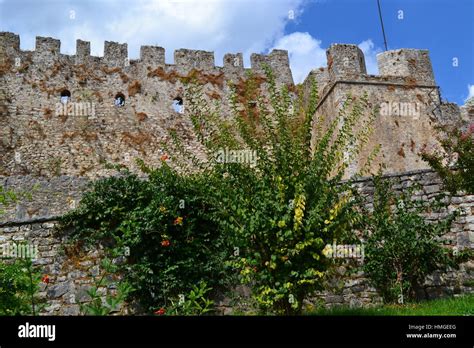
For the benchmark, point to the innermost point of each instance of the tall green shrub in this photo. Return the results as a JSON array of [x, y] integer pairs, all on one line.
[[401, 246], [285, 207]]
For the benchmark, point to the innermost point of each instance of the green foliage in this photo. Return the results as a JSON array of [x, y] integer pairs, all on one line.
[[162, 229], [458, 149], [19, 286], [7, 197], [401, 246], [112, 302], [196, 302], [19, 280], [287, 206]]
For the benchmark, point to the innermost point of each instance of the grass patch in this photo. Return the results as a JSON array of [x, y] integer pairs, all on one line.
[[463, 305]]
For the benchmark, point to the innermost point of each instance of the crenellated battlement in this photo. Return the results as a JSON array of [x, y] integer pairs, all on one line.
[[277, 60], [152, 55], [9, 46], [47, 50], [346, 62], [196, 59], [47, 45], [407, 63], [115, 54]]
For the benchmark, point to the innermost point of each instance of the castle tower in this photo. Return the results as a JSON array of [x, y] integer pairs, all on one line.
[[46, 51], [404, 95], [345, 62], [404, 62]]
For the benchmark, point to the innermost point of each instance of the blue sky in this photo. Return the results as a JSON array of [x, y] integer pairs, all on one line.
[[304, 27]]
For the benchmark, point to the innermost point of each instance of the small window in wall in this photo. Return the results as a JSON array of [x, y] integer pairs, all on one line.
[[65, 96], [119, 100], [178, 105]]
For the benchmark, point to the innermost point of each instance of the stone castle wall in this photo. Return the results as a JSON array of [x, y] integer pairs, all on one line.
[[37, 139]]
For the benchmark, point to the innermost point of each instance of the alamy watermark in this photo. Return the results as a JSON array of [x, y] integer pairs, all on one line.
[[344, 251], [411, 109], [18, 251], [76, 109], [236, 156]]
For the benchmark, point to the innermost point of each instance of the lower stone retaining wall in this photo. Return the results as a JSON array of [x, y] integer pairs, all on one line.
[[33, 221], [71, 273]]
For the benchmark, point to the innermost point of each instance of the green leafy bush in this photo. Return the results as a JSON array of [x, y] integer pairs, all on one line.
[[401, 246], [159, 228], [458, 149], [289, 203], [19, 286], [196, 302]]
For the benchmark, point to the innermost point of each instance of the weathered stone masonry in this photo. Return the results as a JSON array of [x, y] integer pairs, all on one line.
[[35, 140], [406, 94], [356, 290], [54, 156]]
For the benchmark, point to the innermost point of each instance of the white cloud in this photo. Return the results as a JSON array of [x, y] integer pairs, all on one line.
[[470, 89], [305, 53]]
